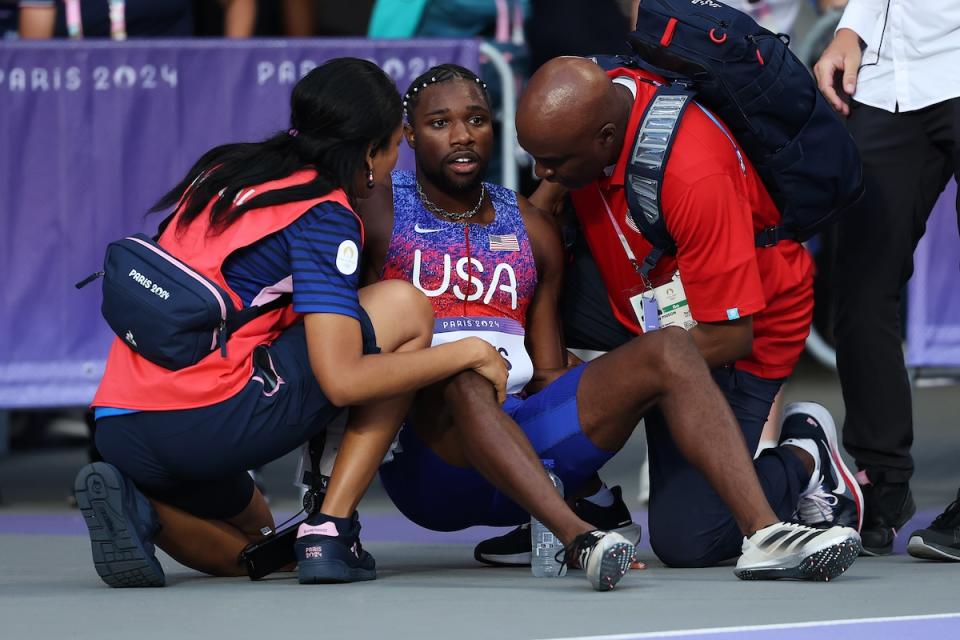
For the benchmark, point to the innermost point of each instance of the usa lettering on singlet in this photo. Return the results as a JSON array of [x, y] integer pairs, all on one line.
[[479, 278]]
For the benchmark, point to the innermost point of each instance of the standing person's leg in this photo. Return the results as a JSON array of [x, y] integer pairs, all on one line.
[[941, 540], [903, 175]]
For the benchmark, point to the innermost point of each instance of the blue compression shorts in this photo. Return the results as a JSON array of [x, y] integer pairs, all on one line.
[[442, 497]]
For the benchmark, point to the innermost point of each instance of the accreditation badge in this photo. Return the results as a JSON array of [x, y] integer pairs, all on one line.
[[662, 306]]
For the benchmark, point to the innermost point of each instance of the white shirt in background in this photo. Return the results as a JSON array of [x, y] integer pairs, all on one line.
[[912, 59]]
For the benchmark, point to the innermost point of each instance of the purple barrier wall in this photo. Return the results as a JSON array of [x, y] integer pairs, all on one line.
[[91, 134], [933, 319]]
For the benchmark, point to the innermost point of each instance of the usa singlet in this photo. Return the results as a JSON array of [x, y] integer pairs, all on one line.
[[480, 278]]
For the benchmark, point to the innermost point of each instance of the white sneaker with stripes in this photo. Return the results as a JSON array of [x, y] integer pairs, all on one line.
[[794, 551]]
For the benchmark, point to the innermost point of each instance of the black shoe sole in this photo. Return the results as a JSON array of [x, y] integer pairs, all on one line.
[[118, 554], [518, 559], [876, 552], [919, 548], [332, 572], [822, 566]]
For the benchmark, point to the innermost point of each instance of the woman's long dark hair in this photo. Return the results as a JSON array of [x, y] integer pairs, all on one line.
[[337, 111]]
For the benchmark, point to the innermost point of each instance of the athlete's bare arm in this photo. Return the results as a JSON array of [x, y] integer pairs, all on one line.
[[544, 342], [376, 211], [549, 197]]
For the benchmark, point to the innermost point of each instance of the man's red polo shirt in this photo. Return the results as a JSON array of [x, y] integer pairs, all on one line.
[[713, 210]]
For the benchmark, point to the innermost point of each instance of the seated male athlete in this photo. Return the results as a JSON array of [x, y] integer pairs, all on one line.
[[492, 266]]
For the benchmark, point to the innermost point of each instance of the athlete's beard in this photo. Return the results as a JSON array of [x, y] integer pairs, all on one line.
[[439, 178]]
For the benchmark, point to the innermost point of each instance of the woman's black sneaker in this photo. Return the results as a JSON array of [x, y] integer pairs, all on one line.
[[328, 550]]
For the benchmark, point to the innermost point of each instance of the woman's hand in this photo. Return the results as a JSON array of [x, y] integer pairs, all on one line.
[[490, 364]]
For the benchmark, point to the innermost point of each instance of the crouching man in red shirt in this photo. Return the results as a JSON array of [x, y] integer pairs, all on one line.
[[749, 307]]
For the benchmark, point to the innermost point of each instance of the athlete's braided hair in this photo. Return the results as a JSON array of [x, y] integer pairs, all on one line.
[[433, 75]]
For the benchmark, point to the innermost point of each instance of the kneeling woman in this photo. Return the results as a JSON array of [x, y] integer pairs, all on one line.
[[262, 219]]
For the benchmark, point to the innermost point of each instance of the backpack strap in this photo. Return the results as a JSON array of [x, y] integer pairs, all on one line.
[[237, 319], [245, 315], [769, 236], [643, 182]]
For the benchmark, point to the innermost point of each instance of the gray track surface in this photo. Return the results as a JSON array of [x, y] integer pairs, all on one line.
[[431, 589], [48, 589]]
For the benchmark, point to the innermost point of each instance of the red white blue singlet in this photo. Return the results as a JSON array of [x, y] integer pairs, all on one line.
[[480, 278]]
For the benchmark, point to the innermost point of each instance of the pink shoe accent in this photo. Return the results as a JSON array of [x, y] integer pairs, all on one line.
[[325, 529], [862, 478]]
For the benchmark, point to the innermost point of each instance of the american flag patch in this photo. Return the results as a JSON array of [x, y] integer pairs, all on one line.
[[507, 242]]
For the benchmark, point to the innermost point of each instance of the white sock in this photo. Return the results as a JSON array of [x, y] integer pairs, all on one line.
[[603, 497], [810, 447], [765, 444]]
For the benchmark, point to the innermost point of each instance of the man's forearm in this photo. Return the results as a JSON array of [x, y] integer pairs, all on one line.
[[723, 343]]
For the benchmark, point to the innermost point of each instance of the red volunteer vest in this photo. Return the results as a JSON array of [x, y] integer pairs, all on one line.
[[132, 382]]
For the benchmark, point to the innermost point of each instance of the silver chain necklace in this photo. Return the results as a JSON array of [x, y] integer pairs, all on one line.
[[450, 215]]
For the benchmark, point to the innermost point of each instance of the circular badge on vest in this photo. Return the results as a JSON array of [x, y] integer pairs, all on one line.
[[348, 257]]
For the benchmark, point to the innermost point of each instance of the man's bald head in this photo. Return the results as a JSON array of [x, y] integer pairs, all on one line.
[[563, 91], [571, 110]]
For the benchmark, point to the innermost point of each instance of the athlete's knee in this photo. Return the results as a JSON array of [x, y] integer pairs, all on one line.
[[676, 341], [669, 351], [468, 389]]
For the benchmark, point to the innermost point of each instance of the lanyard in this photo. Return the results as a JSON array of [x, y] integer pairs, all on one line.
[[118, 21], [623, 238]]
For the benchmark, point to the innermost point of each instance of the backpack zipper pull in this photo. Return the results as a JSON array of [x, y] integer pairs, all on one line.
[[90, 278], [222, 338]]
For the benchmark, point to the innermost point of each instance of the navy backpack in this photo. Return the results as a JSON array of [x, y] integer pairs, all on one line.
[[767, 98]]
